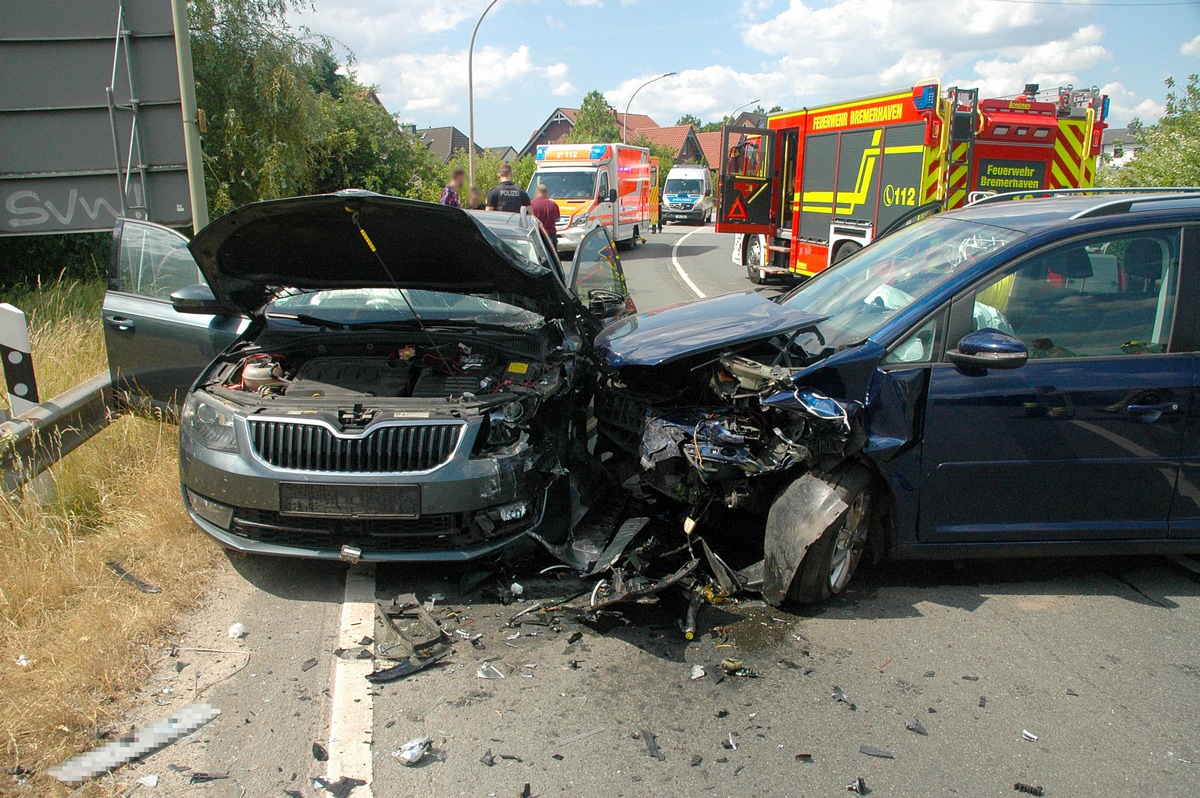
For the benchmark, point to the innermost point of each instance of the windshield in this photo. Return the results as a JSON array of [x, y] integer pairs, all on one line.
[[566, 183], [387, 305], [861, 293], [680, 186]]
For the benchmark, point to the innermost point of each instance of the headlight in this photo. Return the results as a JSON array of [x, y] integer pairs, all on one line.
[[209, 423], [580, 220]]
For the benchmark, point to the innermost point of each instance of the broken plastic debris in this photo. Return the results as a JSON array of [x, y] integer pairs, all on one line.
[[517, 589], [526, 791], [729, 744], [652, 746], [930, 674], [804, 757], [131, 578], [914, 725], [236, 631], [340, 788], [1028, 789], [1071, 692], [1028, 735], [970, 678], [859, 786], [488, 671], [840, 695], [697, 672], [142, 741], [23, 661], [574, 638], [308, 664], [871, 750], [406, 667], [735, 667], [412, 751], [488, 759], [319, 753], [149, 780], [983, 702], [200, 777]]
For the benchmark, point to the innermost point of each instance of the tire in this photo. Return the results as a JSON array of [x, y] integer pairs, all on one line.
[[845, 251], [752, 256], [830, 562]]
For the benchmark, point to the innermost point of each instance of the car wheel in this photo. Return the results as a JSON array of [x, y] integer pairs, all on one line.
[[831, 561], [845, 251], [752, 256]]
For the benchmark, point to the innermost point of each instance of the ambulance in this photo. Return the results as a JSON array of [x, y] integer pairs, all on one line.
[[609, 184], [818, 184]]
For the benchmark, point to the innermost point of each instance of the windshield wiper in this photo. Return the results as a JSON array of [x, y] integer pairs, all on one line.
[[436, 324], [304, 318]]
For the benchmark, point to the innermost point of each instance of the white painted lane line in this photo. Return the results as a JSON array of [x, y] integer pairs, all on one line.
[[695, 289], [351, 715]]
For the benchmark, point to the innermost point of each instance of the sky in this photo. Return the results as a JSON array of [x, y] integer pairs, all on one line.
[[532, 56]]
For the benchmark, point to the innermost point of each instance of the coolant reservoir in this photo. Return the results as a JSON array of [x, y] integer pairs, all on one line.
[[262, 372]]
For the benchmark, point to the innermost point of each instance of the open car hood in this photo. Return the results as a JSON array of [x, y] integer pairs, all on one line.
[[315, 243], [679, 331]]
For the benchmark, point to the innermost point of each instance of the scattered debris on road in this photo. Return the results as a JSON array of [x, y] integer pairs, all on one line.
[[319, 753], [859, 786], [413, 751], [1028, 789], [488, 759], [582, 736], [488, 671], [915, 725], [1028, 735], [237, 631], [340, 788], [881, 753], [652, 748], [840, 695], [406, 667]]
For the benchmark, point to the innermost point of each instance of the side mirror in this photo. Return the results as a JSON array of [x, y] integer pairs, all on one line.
[[612, 195], [605, 303], [989, 349], [708, 192], [196, 299]]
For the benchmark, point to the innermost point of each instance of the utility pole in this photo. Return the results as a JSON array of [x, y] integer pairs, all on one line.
[[471, 99], [191, 116], [625, 119]]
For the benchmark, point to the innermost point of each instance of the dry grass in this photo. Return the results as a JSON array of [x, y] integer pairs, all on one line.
[[88, 636]]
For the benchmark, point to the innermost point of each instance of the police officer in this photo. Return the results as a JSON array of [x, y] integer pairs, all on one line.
[[507, 195]]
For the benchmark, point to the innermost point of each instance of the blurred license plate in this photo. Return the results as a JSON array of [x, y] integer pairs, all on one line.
[[348, 501]]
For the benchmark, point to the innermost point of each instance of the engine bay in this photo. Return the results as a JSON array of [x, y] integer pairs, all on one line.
[[451, 371]]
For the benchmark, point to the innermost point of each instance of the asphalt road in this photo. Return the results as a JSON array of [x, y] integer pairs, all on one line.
[[1097, 658]]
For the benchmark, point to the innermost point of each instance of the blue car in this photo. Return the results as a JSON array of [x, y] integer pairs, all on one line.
[[1015, 378]]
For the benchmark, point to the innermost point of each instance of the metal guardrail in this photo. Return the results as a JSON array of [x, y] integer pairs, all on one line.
[[39, 438]]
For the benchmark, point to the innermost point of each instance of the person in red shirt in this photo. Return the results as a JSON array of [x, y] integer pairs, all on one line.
[[546, 211]]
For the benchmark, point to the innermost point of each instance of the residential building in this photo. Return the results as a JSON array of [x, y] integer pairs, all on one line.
[[562, 121], [443, 142], [681, 138], [1119, 146]]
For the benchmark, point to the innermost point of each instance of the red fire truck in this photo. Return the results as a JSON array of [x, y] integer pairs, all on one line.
[[818, 184]]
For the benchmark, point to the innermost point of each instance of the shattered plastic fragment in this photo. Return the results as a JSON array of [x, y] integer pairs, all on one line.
[[871, 750], [200, 777], [696, 760], [406, 667], [526, 792], [319, 753], [983, 702], [488, 759], [728, 744], [804, 757], [149, 780], [517, 589], [488, 671], [652, 746], [930, 674], [23, 661], [915, 725], [697, 672], [412, 751], [574, 638], [582, 736], [308, 664], [340, 788], [1071, 692], [840, 695], [1028, 789], [131, 578], [1028, 735], [859, 786], [970, 678], [236, 631]]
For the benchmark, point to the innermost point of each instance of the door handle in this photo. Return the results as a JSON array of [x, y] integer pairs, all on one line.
[[1152, 412], [120, 322]]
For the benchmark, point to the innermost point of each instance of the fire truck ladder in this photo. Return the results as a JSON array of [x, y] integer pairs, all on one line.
[[964, 113]]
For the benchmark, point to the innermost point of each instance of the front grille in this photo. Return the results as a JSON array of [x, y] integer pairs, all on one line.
[[427, 533], [391, 449]]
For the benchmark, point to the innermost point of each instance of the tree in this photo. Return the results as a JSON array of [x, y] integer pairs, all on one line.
[[1170, 153], [666, 156], [596, 121], [487, 164], [690, 119]]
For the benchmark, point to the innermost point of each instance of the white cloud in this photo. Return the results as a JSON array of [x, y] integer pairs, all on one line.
[[436, 83], [1191, 47], [1053, 63], [1124, 105], [373, 28]]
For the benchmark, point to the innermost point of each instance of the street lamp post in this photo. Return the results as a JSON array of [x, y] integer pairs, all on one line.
[[625, 119], [471, 99], [733, 114]]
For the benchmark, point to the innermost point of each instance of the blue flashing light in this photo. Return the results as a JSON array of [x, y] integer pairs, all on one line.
[[926, 99], [1105, 111], [598, 151], [541, 153]]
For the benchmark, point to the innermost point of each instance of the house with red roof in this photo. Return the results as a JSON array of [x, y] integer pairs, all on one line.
[[680, 138], [562, 121]]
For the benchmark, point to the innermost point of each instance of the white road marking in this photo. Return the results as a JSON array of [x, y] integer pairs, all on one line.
[[351, 715], [695, 289]]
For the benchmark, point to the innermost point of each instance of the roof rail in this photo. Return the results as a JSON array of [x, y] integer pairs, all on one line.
[[1009, 196]]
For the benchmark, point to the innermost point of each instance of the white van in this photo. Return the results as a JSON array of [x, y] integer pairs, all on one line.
[[687, 195]]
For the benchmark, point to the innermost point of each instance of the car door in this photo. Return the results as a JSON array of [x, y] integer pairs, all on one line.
[[1083, 441], [153, 350], [597, 279]]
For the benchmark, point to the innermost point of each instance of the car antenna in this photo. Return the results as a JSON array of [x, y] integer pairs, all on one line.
[[395, 284]]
